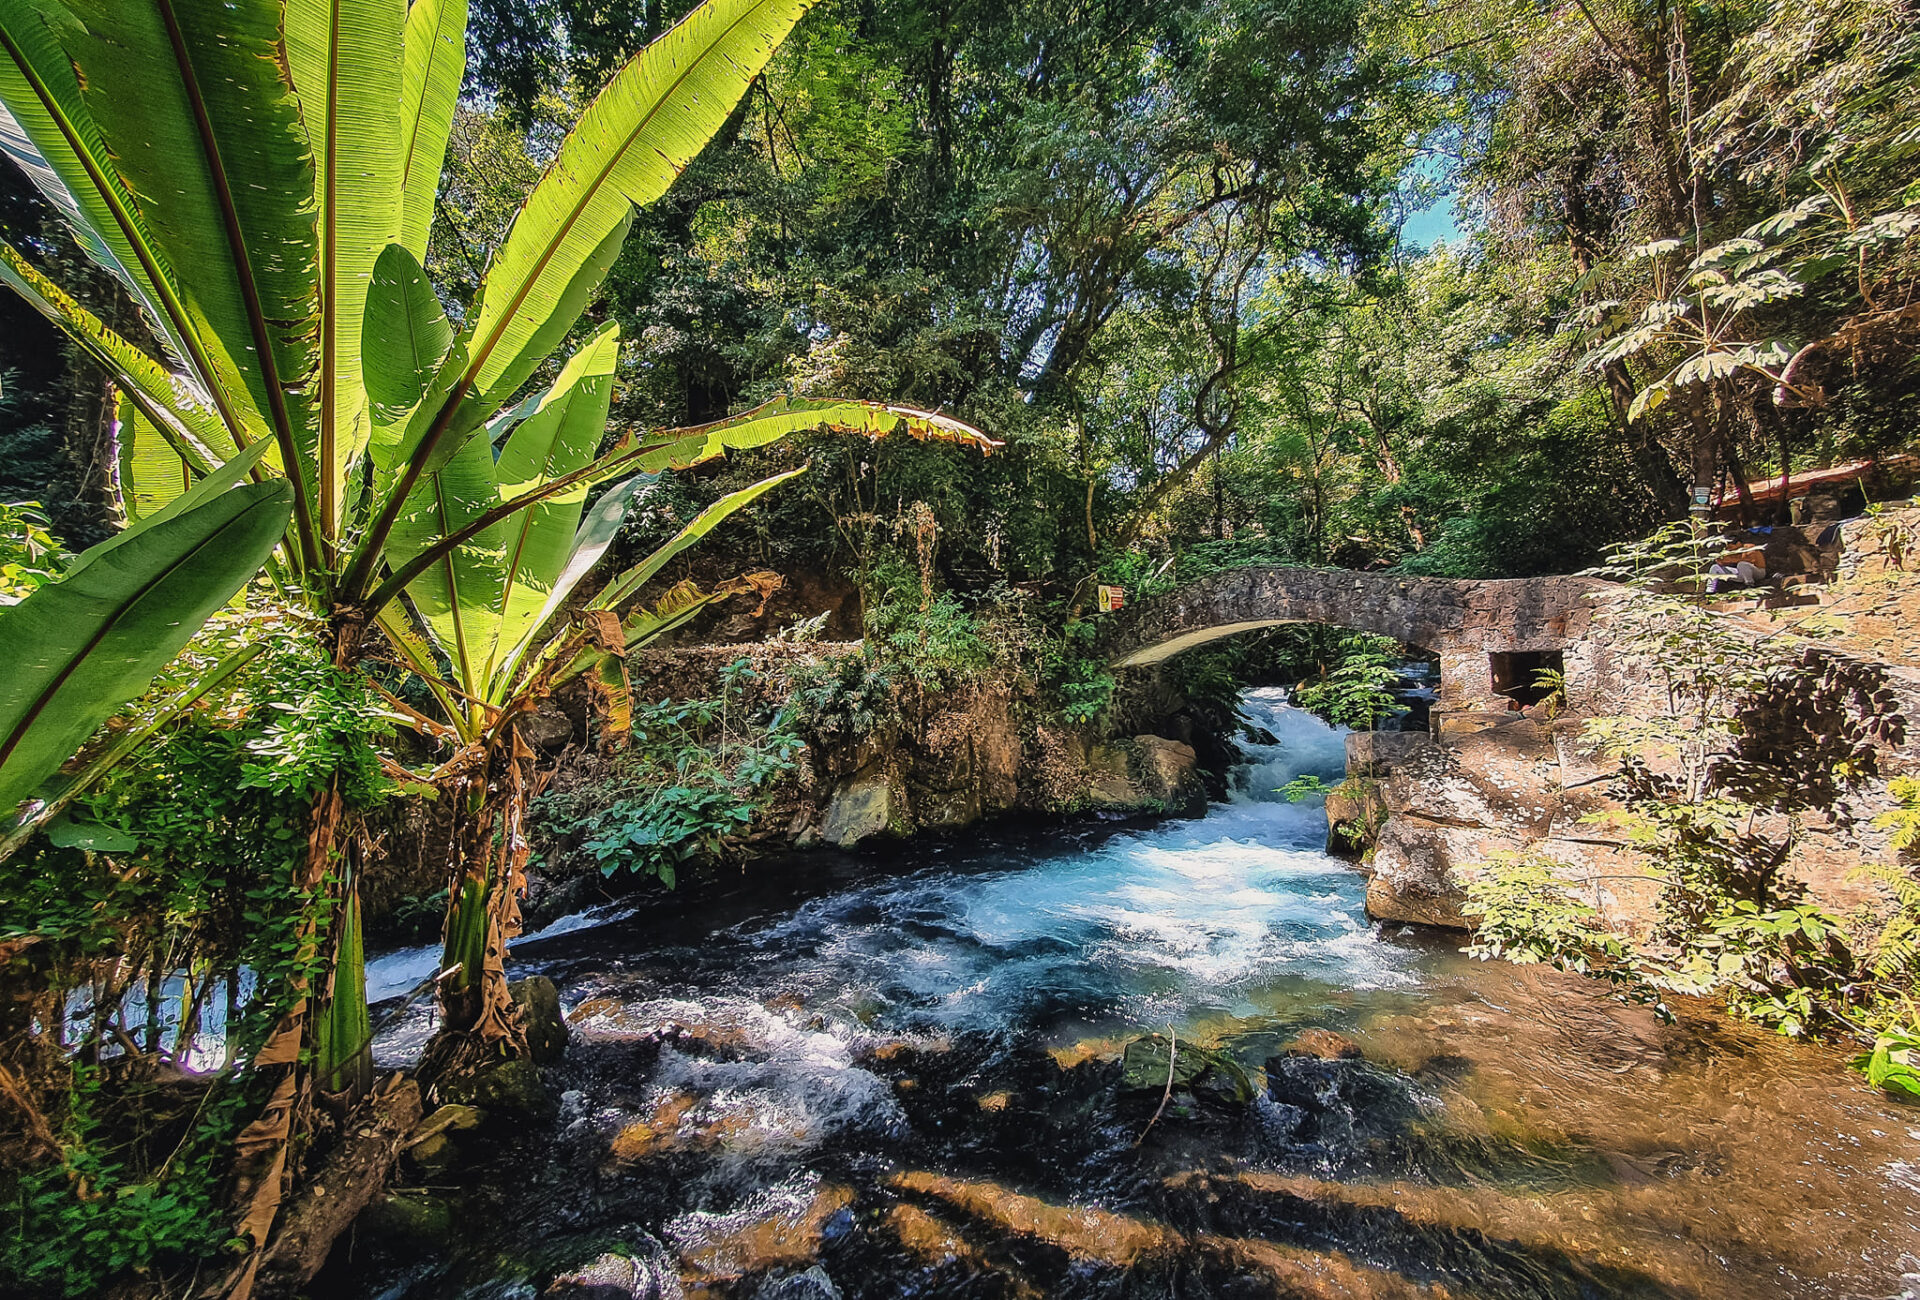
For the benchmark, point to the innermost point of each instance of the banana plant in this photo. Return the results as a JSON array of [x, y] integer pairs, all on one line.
[[260, 177]]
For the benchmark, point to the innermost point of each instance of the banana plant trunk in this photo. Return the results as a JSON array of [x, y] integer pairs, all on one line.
[[488, 791]]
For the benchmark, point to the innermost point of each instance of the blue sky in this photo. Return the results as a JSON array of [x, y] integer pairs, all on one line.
[[1433, 223]]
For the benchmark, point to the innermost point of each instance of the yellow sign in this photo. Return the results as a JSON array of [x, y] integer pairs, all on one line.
[[1110, 599]]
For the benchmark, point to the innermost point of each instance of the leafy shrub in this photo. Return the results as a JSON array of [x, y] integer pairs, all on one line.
[[685, 786], [1078, 680], [842, 699], [1524, 913], [909, 623], [30, 556], [1355, 691]]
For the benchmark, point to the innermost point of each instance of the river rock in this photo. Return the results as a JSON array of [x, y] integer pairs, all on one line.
[[1324, 1044], [1144, 1067], [412, 1219], [434, 1150], [644, 1276], [811, 1284], [1338, 1105], [502, 1089], [1146, 774], [864, 806], [1418, 870], [546, 1024], [1169, 771]]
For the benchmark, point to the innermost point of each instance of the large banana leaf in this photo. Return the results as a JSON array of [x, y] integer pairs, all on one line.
[[499, 576], [652, 118], [79, 648], [56, 802], [555, 440], [45, 128], [345, 57], [152, 473], [595, 535], [223, 479], [771, 421], [592, 541], [435, 60], [451, 412], [343, 1032], [203, 128], [455, 596], [406, 337]]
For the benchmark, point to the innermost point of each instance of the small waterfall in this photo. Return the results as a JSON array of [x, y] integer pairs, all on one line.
[[1302, 745]]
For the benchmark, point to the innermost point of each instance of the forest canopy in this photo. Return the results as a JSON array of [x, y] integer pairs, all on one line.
[[1162, 252]]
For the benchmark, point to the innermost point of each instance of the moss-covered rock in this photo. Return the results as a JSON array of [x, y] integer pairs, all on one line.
[[504, 1089]]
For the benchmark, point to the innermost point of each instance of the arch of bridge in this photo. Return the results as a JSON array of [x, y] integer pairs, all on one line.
[[1463, 621]]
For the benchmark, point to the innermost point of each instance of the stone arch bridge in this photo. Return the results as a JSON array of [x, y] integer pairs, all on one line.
[[1490, 636]]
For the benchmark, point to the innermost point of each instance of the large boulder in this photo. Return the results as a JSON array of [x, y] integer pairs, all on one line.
[[1421, 869], [1521, 786], [865, 805], [1170, 773], [1146, 774], [1416, 867], [1504, 779]]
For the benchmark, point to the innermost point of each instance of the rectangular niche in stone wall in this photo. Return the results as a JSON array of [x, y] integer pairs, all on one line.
[[1515, 673]]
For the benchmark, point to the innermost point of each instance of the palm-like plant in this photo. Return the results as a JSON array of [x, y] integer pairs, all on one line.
[[260, 177]]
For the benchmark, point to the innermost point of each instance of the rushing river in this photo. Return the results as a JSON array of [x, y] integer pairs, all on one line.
[[948, 1074]]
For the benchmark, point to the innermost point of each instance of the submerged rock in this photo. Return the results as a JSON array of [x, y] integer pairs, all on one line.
[[434, 1149], [1088, 1233], [781, 1227], [1203, 1072], [409, 1219], [1324, 1044], [546, 1024], [644, 1275], [1339, 1104], [812, 1284]]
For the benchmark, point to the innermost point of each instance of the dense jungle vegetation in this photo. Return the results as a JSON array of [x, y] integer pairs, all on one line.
[[1472, 288]]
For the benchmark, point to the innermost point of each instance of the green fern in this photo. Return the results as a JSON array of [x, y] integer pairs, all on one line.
[[1904, 820], [1896, 949]]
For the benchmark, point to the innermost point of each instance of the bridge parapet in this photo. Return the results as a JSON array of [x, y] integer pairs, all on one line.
[[1489, 635]]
